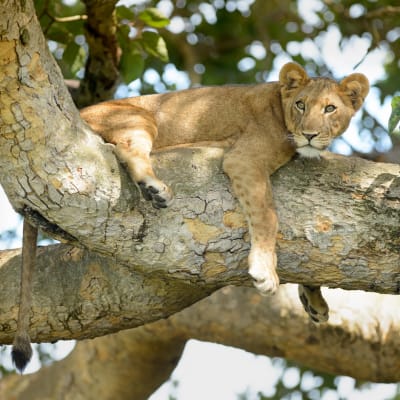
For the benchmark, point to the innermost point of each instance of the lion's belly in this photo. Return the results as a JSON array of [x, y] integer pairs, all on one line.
[[187, 130]]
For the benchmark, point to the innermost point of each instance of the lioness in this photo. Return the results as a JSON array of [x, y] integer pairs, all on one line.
[[261, 127]]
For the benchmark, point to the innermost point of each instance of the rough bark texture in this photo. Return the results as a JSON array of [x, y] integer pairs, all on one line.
[[78, 294], [360, 340], [346, 236]]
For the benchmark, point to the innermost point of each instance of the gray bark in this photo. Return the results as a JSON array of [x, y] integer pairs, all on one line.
[[339, 217], [337, 230]]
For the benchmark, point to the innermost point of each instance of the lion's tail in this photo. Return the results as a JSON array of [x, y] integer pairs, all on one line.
[[22, 351]]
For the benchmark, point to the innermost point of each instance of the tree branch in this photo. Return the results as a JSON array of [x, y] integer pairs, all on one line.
[[382, 12], [359, 341], [101, 70], [338, 227], [78, 295]]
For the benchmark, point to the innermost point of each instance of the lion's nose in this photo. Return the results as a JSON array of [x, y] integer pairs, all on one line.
[[310, 136]]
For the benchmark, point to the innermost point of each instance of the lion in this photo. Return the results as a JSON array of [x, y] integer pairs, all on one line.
[[260, 126]]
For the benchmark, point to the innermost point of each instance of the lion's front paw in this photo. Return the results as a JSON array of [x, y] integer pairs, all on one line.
[[314, 303], [157, 192], [262, 268]]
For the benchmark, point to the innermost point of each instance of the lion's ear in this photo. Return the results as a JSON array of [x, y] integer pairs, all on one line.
[[355, 87], [292, 76]]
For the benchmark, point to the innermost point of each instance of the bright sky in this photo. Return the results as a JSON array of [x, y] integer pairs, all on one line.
[[9, 221], [212, 372]]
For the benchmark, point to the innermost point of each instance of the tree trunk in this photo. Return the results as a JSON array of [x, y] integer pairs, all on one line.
[[101, 69]]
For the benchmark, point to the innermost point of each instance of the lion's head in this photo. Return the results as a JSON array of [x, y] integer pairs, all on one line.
[[318, 109]]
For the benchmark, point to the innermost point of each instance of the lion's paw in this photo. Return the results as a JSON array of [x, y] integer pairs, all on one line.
[[157, 192], [314, 304], [262, 268]]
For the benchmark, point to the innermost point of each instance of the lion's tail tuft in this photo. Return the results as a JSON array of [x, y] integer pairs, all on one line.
[[21, 351]]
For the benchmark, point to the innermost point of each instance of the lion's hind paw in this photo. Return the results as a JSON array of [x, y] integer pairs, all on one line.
[[157, 192], [314, 304]]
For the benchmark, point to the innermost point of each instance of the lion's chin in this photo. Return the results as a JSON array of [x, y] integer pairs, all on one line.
[[309, 152]]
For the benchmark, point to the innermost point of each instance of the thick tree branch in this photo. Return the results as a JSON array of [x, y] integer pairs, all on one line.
[[361, 340], [339, 228], [338, 224], [78, 294]]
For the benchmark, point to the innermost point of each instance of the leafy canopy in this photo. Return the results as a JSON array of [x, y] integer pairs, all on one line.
[[232, 41]]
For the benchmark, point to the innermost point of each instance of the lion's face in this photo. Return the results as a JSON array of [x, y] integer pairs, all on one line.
[[318, 109]]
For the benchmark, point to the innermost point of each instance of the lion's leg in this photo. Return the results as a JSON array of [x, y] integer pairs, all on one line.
[[253, 190], [133, 148], [314, 303], [132, 130]]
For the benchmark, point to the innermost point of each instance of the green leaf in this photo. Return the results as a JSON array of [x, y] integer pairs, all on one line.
[[70, 53], [131, 64], [123, 35], [39, 6], [125, 13], [155, 45], [395, 115], [73, 59], [59, 34], [154, 17], [79, 61]]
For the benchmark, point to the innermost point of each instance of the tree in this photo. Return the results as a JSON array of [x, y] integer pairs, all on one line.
[[125, 265]]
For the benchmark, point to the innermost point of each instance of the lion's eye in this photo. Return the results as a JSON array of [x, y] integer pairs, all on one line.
[[300, 105], [330, 108]]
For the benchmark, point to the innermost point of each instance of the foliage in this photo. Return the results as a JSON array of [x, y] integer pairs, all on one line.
[[7, 237], [395, 116], [136, 41], [63, 25], [3, 370], [230, 41]]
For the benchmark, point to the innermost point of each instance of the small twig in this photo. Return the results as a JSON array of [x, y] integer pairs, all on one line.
[[72, 18], [387, 11]]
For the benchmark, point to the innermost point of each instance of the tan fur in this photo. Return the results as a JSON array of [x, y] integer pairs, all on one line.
[[261, 126]]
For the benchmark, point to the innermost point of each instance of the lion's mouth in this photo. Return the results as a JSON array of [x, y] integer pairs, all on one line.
[[309, 151], [306, 149]]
